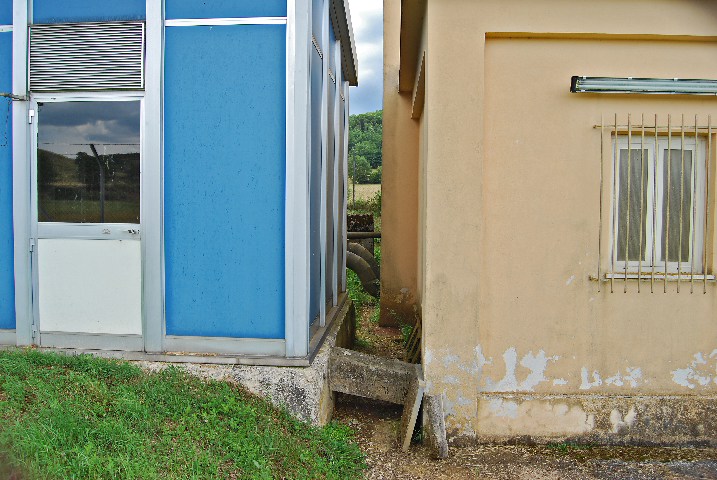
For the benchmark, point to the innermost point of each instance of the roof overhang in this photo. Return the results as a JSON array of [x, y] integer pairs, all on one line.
[[341, 20], [413, 13]]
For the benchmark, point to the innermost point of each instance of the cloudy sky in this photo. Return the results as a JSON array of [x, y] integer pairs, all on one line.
[[367, 18]]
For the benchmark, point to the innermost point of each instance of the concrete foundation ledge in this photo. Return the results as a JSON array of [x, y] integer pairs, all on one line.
[[303, 391], [595, 419]]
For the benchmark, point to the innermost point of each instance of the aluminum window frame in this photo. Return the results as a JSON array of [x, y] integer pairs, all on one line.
[[655, 179], [90, 230], [83, 231]]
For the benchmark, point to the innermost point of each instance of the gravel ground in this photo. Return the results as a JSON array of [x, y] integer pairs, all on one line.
[[377, 425]]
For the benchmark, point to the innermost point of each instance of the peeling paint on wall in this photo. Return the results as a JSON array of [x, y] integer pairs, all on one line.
[[699, 372], [631, 376], [509, 416], [618, 423], [586, 383], [536, 363]]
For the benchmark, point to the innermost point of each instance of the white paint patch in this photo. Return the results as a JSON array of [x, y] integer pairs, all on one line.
[[428, 357], [618, 423], [559, 382], [503, 408], [451, 380], [450, 359], [698, 372], [586, 383], [570, 280], [632, 376], [509, 417], [535, 363]]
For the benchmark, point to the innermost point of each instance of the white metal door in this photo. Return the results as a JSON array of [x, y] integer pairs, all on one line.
[[87, 266]]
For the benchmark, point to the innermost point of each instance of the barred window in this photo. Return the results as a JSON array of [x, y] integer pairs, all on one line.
[[656, 185], [661, 204]]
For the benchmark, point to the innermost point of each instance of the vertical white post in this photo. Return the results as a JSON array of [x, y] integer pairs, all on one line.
[[298, 151], [324, 43], [337, 151], [345, 200], [21, 176], [152, 218]]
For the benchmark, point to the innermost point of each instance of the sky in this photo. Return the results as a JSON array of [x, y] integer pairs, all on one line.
[[367, 19]]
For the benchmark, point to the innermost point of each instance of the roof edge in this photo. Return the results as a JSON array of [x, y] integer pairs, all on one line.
[[413, 13], [341, 19]]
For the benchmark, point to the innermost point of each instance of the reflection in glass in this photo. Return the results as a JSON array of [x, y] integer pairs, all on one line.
[[88, 162]]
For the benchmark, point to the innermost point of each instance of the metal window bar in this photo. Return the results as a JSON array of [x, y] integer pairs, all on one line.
[[708, 160], [664, 262]]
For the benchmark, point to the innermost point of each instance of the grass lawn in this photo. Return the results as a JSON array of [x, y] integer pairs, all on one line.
[[80, 417]]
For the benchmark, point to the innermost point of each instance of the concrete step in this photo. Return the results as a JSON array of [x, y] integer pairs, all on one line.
[[394, 381]]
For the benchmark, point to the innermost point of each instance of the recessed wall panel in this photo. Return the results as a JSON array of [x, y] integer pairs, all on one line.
[[7, 275], [68, 11], [330, 196], [177, 9], [315, 187], [225, 163]]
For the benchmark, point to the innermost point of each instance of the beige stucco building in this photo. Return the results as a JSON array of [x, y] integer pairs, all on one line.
[[505, 214]]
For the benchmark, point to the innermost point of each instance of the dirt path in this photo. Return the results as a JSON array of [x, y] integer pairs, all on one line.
[[377, 425]]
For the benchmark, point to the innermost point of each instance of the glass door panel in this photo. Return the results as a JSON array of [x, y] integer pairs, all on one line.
[[87, 207]]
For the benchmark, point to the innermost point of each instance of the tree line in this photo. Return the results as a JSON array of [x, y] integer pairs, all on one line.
[[365, 147]]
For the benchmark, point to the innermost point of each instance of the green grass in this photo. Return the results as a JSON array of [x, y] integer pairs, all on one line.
[[80, 417], [567, 447]]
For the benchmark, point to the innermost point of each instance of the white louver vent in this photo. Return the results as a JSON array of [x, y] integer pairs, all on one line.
[[87, 56]]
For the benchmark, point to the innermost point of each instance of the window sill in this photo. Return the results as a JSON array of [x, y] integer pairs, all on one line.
[[685, 277]]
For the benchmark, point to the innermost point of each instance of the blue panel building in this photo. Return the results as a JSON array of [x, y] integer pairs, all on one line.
[[177, 170]]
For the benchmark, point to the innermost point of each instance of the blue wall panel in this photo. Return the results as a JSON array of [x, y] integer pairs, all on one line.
[[329, 271], [58, 11], [7, 274], [5, 12], [317, 15], [315, 187], [225, 8], [225, 163]]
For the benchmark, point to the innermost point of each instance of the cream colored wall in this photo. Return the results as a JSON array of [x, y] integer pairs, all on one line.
[[399, 243], [541, 204], [510, 224]]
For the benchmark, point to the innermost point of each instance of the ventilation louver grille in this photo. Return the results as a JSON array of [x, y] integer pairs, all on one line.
[[87, 56]]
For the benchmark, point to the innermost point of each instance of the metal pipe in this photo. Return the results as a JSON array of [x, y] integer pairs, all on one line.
[[602, 179], [628, 206], [642, 201], [363, 235], [693, 221], [654, 209], [614, 206], [102, 183], [669, 185], [682, 202], [708, 160]]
